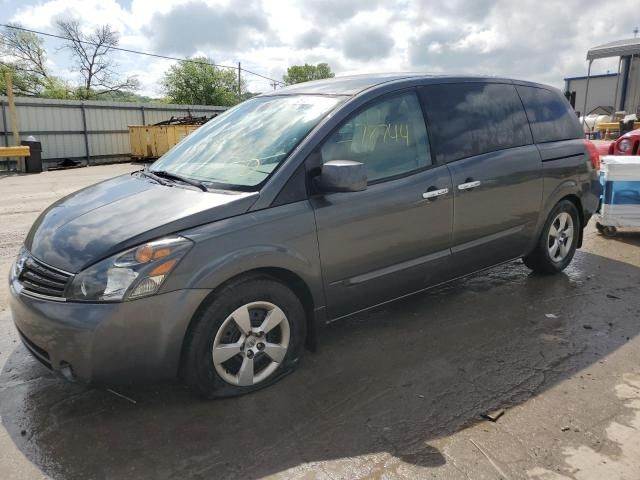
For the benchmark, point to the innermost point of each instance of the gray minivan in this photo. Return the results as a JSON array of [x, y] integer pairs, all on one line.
[[293, 209]]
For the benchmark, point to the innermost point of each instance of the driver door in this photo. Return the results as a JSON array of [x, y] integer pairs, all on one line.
[[392, 238]]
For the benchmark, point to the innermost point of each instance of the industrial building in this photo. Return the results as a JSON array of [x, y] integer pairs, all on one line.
[[612, 91]]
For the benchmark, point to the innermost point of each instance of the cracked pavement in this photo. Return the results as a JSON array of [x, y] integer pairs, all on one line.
[[397, 392]]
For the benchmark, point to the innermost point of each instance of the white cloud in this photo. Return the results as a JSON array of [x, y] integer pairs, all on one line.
[[89, 12], [530, 39]]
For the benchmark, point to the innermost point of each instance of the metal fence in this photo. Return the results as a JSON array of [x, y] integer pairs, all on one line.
[[89, 132]]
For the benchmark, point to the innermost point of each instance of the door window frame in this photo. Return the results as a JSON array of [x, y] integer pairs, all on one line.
[[422, 95]]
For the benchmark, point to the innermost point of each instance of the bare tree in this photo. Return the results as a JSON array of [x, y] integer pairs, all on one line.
[[93, 55]]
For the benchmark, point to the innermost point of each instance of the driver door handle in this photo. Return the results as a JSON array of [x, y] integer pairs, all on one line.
[[435, 193], [469, 185]]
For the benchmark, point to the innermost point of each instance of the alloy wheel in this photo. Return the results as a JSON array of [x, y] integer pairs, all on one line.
[[560, 238], [251, 343]]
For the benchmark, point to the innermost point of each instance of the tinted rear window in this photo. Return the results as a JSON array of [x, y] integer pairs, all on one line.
[[550, 115], [469, 119]]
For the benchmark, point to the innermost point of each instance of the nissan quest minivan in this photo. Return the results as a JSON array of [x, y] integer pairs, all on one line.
[[222, 261]]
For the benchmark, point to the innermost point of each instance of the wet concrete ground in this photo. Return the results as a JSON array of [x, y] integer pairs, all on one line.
[[394, 393]]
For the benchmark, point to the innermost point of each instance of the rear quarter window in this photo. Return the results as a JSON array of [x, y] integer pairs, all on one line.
[[551, 117], [470, 119]]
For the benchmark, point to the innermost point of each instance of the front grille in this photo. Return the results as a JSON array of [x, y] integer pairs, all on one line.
[[40, 279]]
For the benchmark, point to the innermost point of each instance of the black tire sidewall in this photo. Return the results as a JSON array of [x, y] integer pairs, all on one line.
[[199, 371]]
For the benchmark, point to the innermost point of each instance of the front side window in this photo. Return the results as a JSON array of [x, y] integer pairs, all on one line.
[[241, 147], [389, 137]]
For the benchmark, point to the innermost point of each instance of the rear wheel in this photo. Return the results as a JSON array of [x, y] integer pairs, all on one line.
[[558, 241], [248, 337]]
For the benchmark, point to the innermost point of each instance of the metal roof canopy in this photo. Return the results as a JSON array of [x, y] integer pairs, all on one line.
[[619, 48]]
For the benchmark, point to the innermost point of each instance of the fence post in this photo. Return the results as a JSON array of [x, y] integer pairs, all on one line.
[[4, 124], [86, 134], [144, 120], [6, 161], [13, 116]]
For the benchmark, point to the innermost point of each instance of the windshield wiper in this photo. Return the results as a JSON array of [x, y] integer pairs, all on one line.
[[173, 176], [147, 173]]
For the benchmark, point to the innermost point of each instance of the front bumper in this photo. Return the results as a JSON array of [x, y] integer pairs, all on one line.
[[106, 343]]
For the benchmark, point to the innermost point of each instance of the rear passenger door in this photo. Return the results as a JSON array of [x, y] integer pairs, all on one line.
[[480, 131]]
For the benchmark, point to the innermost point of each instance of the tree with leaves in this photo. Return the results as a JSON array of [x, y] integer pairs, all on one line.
[[198, 82], [23, 55], [306, 73], [93, 53]]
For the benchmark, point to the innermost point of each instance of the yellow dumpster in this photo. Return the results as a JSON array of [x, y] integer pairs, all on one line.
[[611, 130], [152, 141]]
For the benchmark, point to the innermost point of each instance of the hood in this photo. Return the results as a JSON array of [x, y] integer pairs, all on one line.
[[106, 218]]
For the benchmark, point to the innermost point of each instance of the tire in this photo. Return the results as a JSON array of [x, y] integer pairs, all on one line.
[[557, 243], [232, 323]]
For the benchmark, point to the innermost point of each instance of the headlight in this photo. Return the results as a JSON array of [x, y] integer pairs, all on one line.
[[19, 263], [624, 145], [134, 273]]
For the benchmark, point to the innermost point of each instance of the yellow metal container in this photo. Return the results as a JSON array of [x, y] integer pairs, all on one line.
[[153, 141], [611, 130]]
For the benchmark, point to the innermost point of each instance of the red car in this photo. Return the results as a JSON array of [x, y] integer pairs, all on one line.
[[627, 144]]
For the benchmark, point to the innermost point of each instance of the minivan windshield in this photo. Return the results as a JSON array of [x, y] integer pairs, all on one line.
[[241, 147]]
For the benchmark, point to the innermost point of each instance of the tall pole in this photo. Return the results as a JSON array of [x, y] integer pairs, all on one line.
[[239, 90], [615, 95], [13, 116], [586, 95]]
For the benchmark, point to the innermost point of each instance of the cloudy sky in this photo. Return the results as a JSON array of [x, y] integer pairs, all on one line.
[[541, 40]]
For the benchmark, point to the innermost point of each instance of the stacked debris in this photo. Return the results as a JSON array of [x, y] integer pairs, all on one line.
[[187, 120]]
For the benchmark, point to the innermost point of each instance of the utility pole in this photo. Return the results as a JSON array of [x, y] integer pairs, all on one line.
[[239, 89], [635, 32], [274, 84], [13, 117]]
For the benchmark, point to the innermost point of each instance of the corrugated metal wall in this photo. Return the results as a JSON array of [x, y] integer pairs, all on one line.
[[91, 131]]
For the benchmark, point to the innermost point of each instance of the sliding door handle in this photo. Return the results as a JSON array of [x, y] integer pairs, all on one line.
[[435, 193], [469, 185]]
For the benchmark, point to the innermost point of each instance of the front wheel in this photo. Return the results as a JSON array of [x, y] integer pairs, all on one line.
[[249, 336], [558, 241]]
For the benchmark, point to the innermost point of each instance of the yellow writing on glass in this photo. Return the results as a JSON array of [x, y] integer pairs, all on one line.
[[390, 132]]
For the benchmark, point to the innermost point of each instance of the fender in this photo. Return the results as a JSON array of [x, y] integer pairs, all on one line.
[[287, 265], [227, 248], [567, 188], [223, 268]]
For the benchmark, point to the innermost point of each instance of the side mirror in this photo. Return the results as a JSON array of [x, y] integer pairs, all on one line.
[[342, 176]]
